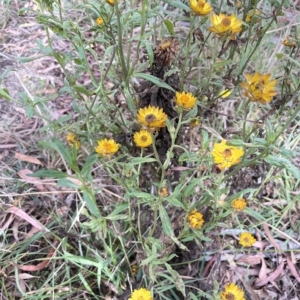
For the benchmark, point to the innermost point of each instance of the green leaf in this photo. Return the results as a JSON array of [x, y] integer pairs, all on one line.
[[284, 163], [29, 59], [141, 160], [67, 183], [48, 174], [86, 169], [166, 223], [149, 52], [60, 148], [91, 203], [177, 279], [169, 26], [82, 90], [5, 94], [155, 80], [177, 4], [175, 202]]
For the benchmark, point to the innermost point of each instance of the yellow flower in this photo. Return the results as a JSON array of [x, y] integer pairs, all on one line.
[[246, 239], [226, 156], [142, 138], [71, 139], [111, 2], [259, 88], [100, 21], [195, 219], [224, 25], [152, 117], [141, 294], [185, 100], [288, 43], [239, 203], [253, 13], [107, 147], [232, 292], [201, 7]]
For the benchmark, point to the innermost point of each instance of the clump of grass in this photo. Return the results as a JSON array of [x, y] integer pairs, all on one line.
[[178, 121]]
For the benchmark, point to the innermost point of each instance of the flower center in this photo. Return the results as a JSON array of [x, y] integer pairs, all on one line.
[[227, 153], [185, 99], [150, 118], [226, 22], [230, 296], [144, 138]]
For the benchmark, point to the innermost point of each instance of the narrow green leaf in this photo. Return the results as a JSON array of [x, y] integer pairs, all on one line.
[[177, 4], [166, 223], [169, 26], [87, 167], [82, 90], [67, 183], [91, 203], [5, 94], [48, 174], [60, 148], [155, 80]]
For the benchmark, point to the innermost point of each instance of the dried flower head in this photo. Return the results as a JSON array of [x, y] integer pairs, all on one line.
[[288, 43], [259, 88], [195, 122], [246, 239], [152, 117], [71, 139], [163, 192], [134, 269], [185, 100], [201, 7], [232, 292], [100, 21], [107, 147], [224, 25], [195, 219], [226, 156], [142, 138], [141, 294], [165, 52], [253, 16], [239, 203]]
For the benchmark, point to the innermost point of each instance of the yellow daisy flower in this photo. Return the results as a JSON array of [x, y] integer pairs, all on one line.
[[253, 13], [239, 203], [152, 117], [111, 2], [246, 239], [185, 100], [224, 25], [107, 147], [141, 294], [195, 219], [71, 139], [259, 88], [201, 7], [226, 156], [100, 21], [232, 292], [142, 138]]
